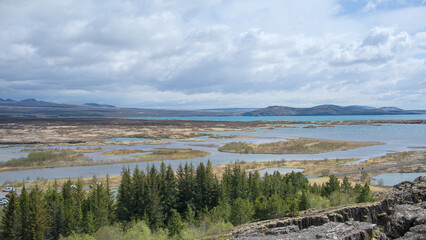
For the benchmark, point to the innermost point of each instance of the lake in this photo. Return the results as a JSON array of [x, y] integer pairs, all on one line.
[[397, 138], [391, 179], [281, 170]]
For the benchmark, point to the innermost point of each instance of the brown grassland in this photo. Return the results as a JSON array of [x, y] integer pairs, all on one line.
[[294, 146]]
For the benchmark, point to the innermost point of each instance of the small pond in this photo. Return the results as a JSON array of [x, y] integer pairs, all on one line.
[[281, 170], [390, 179]]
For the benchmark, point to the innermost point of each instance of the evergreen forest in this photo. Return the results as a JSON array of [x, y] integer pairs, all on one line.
[[190, 203]]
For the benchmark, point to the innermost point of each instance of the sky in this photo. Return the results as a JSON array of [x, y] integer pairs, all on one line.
[[188, 54]]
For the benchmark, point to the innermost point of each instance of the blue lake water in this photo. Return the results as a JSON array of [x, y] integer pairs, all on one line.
[[390, 179], [397, 137], [281, 170]]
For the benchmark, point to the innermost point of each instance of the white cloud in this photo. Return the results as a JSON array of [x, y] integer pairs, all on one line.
[[380, 46], [211, 53]]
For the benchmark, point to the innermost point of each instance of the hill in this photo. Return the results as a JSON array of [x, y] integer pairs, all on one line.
[[39, 109], [32, 108], [327, 110]]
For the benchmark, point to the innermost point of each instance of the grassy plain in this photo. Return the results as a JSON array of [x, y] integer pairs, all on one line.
[[294, 146]]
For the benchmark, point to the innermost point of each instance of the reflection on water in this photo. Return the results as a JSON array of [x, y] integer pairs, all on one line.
[[390, 179], [398, 137]]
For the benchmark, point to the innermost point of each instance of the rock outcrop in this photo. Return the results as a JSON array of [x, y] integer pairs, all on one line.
[[400, 214]]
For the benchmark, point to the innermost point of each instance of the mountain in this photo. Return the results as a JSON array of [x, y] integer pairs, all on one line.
[[98, 105], [235, 110], [360, 107], [327, 110], [40, 109]]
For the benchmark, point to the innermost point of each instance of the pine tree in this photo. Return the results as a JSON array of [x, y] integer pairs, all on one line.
[[239, 183], [241, 212], [332, 185], [124, 198], [54, 209], [111, 215], [212, 184], [261, 208], [294, 206], [346, 185], [221, 212], [254, 186], [78, 199], [155, 210], [304, 202], [185, 185], [38, 224], [276, 206], [365, 194], [266, 185], [169, 193], [70, 222], [176, 225], [97, 203], [189, 215], [10, 220], [24, 214], [226, 186], [139, 193], [89, 223]]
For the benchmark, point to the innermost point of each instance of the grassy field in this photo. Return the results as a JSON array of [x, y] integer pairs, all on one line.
[[171, 154], [43, 158], [294, 146], [121, 152], [50, 159]]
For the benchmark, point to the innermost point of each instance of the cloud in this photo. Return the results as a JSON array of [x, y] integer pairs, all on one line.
[[212, 53], [380, 46]]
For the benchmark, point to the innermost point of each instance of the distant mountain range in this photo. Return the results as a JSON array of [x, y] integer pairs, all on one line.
[[329, 110], [32, 108]]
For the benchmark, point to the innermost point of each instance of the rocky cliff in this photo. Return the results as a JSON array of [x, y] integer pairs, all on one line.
[[400, 214]]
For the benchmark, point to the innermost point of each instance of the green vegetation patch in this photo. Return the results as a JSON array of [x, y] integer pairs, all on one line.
[[171, 154], [42, 158], [121, 152], [295, 146]]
